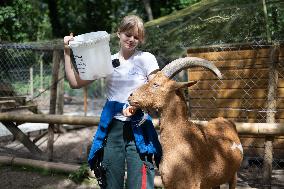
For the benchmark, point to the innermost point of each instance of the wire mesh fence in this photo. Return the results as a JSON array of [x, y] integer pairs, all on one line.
[[241, 95], [251, 90], [252, 82], [26, 72]]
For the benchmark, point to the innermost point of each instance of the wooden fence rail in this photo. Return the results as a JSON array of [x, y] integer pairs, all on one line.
[[275, 129]]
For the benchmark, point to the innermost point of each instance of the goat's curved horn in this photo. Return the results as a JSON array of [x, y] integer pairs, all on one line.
[[174, 67]]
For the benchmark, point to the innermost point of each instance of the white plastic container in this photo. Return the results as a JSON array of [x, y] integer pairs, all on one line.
[[92, 55]]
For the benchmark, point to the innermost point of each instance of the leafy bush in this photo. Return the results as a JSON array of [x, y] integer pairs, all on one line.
[[79, 175]]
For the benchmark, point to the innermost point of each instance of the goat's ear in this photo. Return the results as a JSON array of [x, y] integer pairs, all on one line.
[[180, 85]]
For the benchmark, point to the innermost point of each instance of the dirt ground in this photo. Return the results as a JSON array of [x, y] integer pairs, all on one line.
[[70, 147], [19, 178]]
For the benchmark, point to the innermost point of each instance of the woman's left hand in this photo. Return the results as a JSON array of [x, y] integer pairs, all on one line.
[[129, 111]]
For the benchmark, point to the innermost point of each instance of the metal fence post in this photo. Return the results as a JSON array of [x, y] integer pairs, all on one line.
[[31, 82]]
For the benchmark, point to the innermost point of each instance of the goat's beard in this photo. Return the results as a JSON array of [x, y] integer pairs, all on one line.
[[154, 113]]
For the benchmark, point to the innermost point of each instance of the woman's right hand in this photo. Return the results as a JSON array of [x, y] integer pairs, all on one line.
[[67, 39], [129, 111]]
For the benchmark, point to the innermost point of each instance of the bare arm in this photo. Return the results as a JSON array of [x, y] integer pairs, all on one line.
[[72, 76]]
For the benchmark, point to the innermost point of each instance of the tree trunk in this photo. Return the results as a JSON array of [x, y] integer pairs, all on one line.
[[148, 9], [53, 16], [270, 118]]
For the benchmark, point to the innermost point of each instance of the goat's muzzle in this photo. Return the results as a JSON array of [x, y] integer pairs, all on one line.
[[132, 102]]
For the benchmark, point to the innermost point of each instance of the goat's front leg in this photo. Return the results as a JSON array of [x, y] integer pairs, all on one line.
[[233, 182], [216, 187]]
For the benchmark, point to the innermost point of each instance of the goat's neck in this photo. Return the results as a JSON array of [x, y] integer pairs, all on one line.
[[174, 113]]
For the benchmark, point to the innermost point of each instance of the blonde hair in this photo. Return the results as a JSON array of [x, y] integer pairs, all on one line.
[[129, 23]]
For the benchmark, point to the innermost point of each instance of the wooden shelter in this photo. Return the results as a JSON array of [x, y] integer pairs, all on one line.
[[243, 93], [251, 91]]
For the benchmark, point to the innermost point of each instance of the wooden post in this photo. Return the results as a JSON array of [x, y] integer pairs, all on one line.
[[270, 116], [60, 95], [52, 104], [85, 100], [20, 136]]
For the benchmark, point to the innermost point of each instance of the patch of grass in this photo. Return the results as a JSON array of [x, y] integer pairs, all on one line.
[[80, 175]]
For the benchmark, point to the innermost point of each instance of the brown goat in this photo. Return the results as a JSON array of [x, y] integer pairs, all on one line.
[[194, 156]]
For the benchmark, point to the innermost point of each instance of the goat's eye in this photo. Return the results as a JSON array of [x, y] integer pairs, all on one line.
[[155, 85]]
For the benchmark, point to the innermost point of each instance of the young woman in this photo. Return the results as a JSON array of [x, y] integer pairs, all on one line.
[[124, 137]]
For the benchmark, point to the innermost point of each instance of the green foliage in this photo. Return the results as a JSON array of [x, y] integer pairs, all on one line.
[[79, 175], [26, 20], [276, 19], [163, 8], [91, 15], [212, 22], [22, 87], [23, 20]]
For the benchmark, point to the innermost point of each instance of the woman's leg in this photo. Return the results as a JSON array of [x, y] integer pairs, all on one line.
[[140, 170], [114, 156]]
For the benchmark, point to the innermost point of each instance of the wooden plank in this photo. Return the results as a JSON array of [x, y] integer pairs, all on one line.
[[19, 99], [19, 135], [234, 54], [53, 119], [7, 102], [203, 116], [234, 103], [227, 93], [227, 113], [258, 152], [279, 120], [241, 64], [229, 103], [279, 114], [280, 103], [25, 107], [244, 114], [245, 63], [258, 142], [231, 47], [255, 129], [232, 93], [229, 74], [261, 128], [234, 84]]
